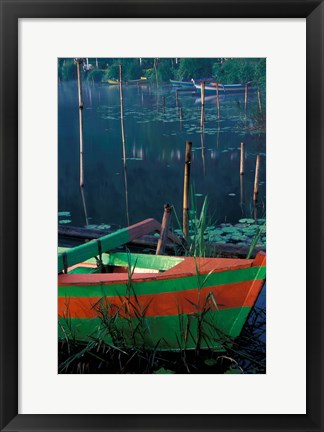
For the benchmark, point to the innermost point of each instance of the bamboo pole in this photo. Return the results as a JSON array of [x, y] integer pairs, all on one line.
[[259, 101], [217, 100], [202, 142], [78, 62], [256, 179], [242, 159], [177, 98], [186, 184], [241, 191], [180, 114], [163, 104], [246, 97], [164, 229], [202, 115], [123, 137], [156, 72]]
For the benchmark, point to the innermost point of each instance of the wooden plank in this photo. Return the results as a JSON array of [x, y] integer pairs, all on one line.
[[105, 243]]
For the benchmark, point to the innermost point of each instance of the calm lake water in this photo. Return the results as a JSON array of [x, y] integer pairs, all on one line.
[[155, 149]]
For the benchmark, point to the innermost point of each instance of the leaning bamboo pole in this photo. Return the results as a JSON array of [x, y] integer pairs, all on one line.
[[78, 62], [123, 137]]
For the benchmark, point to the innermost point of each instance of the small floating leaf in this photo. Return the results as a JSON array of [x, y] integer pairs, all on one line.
[[248, 221], [64, 213], [231, 194], [65, 221], [163, 371]]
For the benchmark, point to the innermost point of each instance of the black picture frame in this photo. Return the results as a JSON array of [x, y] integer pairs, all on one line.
[[11, 11]]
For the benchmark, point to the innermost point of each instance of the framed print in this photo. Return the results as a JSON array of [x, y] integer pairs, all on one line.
[[158, 132]]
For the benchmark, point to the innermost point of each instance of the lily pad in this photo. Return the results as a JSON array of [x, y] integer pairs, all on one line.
[[64, 213], [248, 221], [164, 371]]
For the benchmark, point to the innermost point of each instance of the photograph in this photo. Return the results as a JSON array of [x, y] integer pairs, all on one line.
[[161, 215]]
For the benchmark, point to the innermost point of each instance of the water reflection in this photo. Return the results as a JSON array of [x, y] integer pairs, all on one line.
[[156, 143]]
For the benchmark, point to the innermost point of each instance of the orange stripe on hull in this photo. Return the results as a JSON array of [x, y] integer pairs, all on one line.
[[164, 304]]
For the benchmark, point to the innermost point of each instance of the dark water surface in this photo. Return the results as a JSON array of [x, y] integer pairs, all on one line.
[[155, 150]]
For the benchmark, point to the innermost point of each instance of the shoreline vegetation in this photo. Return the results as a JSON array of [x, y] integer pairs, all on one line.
[[161, 70]]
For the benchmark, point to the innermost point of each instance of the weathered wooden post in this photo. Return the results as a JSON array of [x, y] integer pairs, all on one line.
[[256, 179], [78, 62], [259, 101], [202, 115], [123, 137], [164, 229], [186, 189], [242, 159]]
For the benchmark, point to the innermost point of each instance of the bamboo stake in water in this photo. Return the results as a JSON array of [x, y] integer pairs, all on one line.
[[123, 137], [242, 159], [259, 101], [246, 97], [164, 229], [78, 62], [180, 118], [241, 191], [177, 98], [256, 179], [156, 72], [186, 189], [202, 142], [202, 116], [217, 100], [163, 104]]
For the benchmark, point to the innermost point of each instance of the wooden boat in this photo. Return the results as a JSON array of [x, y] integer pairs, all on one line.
[[142, 80], [159, 302], [183, 84], [224, 88]]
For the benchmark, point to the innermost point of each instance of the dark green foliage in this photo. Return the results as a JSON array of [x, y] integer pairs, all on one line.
[[227, 71], [195, 68], [241, 70], [68, 70], [96, 75]]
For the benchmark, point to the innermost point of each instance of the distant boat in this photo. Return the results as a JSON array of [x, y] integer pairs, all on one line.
[[184, 84], [142, 80], [224, 88], [160, 302], [113, 82]]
